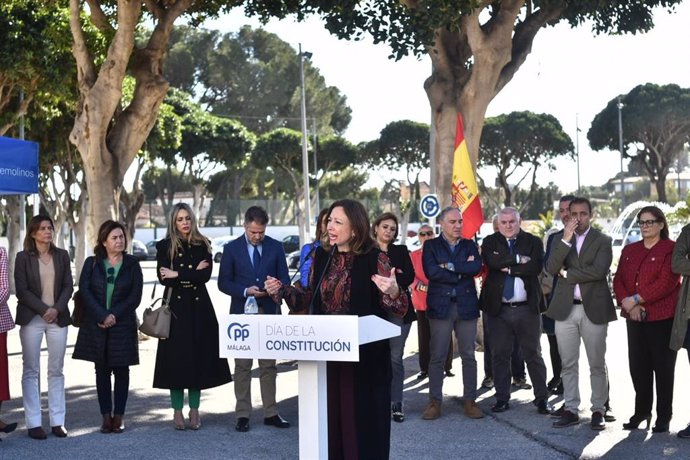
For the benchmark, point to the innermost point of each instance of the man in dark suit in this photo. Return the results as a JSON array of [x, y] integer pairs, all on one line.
[[244, 266], [450, 263], [512, 297], [582, 307]]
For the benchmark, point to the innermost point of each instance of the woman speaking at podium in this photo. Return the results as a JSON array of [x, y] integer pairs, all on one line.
[[349, 276]]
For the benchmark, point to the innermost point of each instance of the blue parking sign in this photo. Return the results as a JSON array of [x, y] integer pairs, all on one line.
[[429, 206]]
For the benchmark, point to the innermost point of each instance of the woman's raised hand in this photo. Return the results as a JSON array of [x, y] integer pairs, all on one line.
[[272, 286], [387, 284]]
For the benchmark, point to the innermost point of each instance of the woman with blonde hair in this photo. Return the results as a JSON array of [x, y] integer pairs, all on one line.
[[188, 359]]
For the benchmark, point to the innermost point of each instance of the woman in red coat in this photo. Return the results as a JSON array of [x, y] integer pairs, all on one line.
[[647, 291]]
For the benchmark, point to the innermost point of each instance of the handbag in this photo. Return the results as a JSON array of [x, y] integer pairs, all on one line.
[[156, 321], [78, 312]]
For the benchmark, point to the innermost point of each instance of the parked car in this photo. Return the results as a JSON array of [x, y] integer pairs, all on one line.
[[291, 243], [151, 248], [139, 250], [292, 260], [217, 245]]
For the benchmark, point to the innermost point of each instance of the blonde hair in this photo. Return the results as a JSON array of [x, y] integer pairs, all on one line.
[[195, 237]]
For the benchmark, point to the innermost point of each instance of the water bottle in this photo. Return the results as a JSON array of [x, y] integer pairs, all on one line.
[[250, 306]]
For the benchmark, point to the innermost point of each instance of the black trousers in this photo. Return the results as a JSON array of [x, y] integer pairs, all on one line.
[[517, 363], [650, 359], [104, 388]]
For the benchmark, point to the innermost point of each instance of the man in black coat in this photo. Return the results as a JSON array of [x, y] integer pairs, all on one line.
[[512, 296]]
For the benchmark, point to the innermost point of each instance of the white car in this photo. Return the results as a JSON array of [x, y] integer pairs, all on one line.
[[217, 245]]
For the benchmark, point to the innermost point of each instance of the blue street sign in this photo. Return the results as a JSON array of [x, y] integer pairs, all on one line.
[[18, 166], [429, 206]]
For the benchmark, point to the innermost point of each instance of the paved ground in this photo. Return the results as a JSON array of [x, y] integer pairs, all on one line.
[[519, 433]]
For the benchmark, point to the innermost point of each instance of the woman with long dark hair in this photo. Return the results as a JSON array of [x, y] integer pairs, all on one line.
[[385, 232], [647, 291], [188, 359], [43, 280], [358, 280], [110, 286]]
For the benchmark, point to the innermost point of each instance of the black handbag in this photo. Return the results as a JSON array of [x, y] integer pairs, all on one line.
[[78, 312]]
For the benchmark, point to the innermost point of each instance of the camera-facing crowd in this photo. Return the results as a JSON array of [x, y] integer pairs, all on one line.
[[521, 286]]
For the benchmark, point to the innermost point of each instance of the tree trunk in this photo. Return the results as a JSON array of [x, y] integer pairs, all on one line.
[[107, 135], [469, 67], [14, 245], [660, 184]]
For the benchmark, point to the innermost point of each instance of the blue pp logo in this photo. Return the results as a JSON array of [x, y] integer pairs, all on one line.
[[238, 332]]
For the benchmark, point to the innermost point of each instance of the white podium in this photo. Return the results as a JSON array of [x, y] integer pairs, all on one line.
[[312, 340]]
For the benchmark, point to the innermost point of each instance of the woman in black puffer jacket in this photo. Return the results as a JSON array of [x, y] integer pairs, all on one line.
[[110, 286]]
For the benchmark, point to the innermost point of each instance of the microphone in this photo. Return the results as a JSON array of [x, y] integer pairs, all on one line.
[[315, 292]]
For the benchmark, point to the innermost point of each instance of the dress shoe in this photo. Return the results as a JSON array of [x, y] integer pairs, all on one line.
[[472, 410], [661, 426], [118, 424], [242, 425], [598, 423], [684, 433], [58, 431], [500, 406], [635, 421], [422, 375], [433, 410], [397, 412], [567, 419], [277, 421], [521, 383], [609, 417], [107, 425], [558, 413], [488, 382], [194, 419], [7, 427], [449, 373], [37, 433], [543, 407]]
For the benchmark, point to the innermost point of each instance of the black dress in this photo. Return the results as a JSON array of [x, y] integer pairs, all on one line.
[[189, 358]]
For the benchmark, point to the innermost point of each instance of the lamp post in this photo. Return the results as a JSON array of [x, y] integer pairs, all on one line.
[[305, 158], [620, 146], [317, 199]]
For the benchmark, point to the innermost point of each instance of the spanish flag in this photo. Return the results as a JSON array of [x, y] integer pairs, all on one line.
[[464, 191]]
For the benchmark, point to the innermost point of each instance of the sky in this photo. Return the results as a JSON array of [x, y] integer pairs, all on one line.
[[571, 74]]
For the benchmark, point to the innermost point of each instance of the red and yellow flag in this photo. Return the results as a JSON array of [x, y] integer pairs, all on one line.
[[464, 191]]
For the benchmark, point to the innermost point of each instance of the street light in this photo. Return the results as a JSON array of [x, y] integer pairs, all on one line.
[[620, 146], [305, 158]]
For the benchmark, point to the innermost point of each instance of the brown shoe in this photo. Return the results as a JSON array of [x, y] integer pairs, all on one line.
[[118, 424], [433, 410], [107, 425], [472, 410], [58, 431], [37, 433]]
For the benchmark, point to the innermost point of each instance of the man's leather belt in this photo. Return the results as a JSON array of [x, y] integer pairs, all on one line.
[[577, 301], [515, 304]]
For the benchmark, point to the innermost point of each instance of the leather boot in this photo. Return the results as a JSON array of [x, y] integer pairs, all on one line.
[[472, 410], [433, 410], [107, 425]]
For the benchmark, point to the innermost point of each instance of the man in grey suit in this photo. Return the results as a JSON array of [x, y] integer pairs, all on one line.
[[582, 307]]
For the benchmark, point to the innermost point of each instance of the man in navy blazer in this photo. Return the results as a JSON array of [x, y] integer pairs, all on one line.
[[244, 266], [450, 263]]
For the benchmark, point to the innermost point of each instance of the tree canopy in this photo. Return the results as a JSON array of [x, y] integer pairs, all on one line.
[[656, 126], [520, 143]]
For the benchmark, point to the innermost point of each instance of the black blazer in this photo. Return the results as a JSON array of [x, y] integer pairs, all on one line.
[[401, 261], [28, 286], [496, 255]]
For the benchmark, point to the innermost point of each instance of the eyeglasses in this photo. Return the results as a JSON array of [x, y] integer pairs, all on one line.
[[111, 277], [426, 233], [647, 223]]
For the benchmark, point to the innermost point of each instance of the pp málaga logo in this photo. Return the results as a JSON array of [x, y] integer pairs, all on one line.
[[238, 332]]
